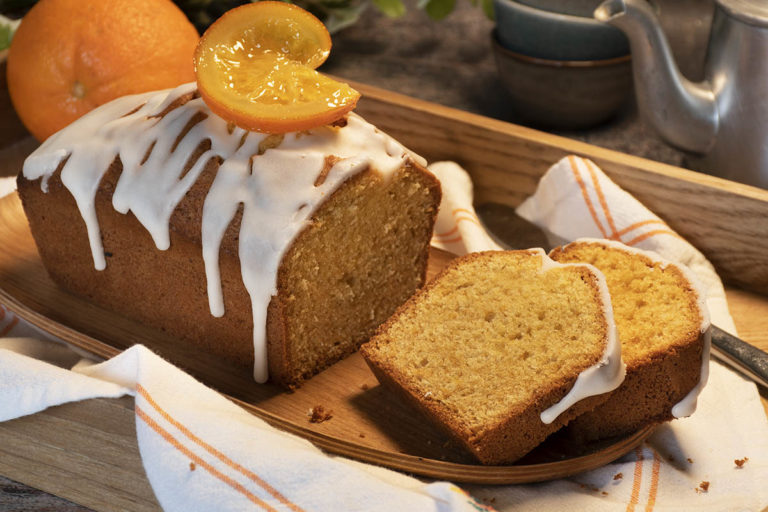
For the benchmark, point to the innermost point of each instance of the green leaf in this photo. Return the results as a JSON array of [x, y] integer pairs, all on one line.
[[391, 8], [488, 9], [439, 9], [339, 18], [7, 28]]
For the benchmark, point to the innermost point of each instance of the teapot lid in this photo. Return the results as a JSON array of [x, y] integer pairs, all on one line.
[[754, 12]]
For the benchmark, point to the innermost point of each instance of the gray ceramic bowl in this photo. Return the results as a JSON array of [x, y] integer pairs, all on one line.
[[583, 8], [564, 94], [548, 35]]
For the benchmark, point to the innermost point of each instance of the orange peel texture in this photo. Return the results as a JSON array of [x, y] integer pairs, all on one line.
[[255, 67]]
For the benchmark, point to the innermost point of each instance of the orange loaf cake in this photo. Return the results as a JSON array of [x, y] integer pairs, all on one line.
[[284, 252], [501, 350], [663, 325]]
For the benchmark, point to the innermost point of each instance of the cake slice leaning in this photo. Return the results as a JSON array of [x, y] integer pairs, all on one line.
[[501, 350], [663, 326]]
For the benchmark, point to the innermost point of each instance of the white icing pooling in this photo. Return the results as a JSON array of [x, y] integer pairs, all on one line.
[[687, 405], [276, 189], [605, 375]]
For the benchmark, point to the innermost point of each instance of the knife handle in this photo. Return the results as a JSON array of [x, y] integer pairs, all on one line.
[[744, 357]]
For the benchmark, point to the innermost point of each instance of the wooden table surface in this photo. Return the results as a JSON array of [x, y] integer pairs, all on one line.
[[451, 63]]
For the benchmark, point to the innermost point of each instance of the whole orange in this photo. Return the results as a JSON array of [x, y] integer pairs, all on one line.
[[70, 56]]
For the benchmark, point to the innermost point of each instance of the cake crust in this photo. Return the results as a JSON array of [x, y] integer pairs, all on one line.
[[167, 289]]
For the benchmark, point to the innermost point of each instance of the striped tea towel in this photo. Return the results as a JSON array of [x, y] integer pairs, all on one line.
[[688, 464]]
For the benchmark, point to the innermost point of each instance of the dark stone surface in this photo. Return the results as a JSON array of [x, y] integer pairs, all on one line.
[[16, 497], [451, 62]]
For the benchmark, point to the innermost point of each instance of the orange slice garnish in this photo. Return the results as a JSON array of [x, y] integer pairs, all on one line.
[[255, 67]]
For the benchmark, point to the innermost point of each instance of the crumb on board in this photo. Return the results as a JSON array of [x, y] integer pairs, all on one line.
[[590, 487], [740, 462], [192, 466], [703, 486], [604, 493], [618, 476], [319, 414], [690, 460]]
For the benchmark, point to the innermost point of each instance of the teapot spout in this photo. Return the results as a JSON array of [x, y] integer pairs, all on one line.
[[684, 113]]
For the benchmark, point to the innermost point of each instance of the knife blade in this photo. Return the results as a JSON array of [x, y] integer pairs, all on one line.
[[740, 355]]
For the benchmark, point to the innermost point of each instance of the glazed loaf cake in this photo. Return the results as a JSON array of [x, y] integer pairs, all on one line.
[[501, 350], [663, 326], [284, 252]]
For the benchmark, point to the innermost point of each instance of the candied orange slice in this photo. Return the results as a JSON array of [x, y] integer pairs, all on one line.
[[255, 67]]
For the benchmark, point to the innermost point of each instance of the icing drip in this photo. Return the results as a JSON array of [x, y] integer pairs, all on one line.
[[687, 405], [154, 136], [605, 375]]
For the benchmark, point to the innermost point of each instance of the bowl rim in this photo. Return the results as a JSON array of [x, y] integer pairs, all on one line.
[[557, 63], [583, 21]]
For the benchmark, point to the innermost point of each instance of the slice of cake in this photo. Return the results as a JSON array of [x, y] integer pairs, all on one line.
[[502, 349], [663, 326], [284, 252]]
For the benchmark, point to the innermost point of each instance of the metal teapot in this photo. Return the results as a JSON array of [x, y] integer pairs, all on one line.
[[722, 121]]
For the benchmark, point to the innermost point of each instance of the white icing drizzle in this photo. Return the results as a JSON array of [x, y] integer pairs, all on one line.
[[276, 189], [605, 375], [687, 405]]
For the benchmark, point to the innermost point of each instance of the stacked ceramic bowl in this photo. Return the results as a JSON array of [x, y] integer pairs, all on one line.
[[563, 69]]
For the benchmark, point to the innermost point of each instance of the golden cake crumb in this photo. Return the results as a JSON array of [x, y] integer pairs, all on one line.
[[618, 476], [703, 486], [319, 414], [192, 466], [740, 462], [690, 460]]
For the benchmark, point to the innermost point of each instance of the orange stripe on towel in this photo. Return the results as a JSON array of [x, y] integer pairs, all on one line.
[[451, 240], [585, 194], [456, 227], [603, 202], [216, 453], [649, 234], [640, 224], [10, 326], [447, 233], [638, 480], [654, 482], [199, 461]]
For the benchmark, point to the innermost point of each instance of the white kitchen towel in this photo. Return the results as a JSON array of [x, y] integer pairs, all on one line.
[[667, 473], [200, 451], [575, 199]]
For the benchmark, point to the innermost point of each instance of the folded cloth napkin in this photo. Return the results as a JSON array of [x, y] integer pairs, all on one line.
[[181, 421], [575, 199]]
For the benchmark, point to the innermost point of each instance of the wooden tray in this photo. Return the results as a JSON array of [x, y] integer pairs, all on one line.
[[727, 221], [368, 424]]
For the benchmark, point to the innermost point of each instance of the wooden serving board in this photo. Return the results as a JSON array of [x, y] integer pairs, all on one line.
[[727, 221], [368, 423]]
